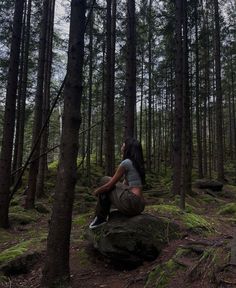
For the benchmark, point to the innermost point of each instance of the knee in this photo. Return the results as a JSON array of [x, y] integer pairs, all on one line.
[[104, 180]]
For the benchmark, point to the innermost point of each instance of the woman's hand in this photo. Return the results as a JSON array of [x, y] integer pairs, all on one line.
[[109, 185]]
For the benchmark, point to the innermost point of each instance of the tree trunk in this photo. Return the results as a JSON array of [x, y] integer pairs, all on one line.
[[110, 91], [178, 115], [9, 115], [187, 133], [46, 102], [56, 270], [219, 110], [33, 170], [199, 140], [149, 131], [90, 85], [19, 93], [130, 95]]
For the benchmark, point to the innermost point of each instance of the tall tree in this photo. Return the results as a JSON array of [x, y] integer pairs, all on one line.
[[33, 170], [9, 116], [130, 95], [56, 268], [46, 99], [178, 115], [110, 87], [186, 133], [219, 109]]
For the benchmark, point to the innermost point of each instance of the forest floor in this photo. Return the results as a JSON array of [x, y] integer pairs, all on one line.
[[204, 256]]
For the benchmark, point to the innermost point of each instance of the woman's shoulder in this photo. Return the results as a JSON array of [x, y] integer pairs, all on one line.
[[126, 163]]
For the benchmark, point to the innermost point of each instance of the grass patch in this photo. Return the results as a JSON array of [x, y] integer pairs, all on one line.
[[15, 251], [196, 223], [228, 209], [161, 276], [81, 220]]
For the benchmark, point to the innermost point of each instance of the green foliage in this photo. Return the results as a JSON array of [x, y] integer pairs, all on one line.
[[190, 220], [18, 215], [228, 209], [15, 251], [160, 277], [196, 223]]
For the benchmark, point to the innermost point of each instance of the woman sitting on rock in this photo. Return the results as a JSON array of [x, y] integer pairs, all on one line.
[[127, 197]]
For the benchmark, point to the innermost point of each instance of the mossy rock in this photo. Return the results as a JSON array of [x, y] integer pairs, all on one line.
[[13, 252], [21, 264], [191, 221], [132, 240]]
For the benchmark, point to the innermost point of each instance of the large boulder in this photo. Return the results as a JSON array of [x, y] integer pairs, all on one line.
[[208, 184], [132, 240]]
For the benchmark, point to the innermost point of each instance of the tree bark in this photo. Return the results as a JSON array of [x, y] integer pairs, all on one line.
[[219, 110], [33, 170], [46, 101], [9, 115], [178, 114], [110, 91], [130, 95], [56, 270]]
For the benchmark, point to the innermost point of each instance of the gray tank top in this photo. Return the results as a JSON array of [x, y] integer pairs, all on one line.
[[131, 174]]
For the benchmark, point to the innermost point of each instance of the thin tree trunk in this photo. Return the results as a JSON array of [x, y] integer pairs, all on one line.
[[130, 95], [90, 84], [187, 134], [199, 141], [46, 102], [149, 138], [33, 170], [110, 91], [178, 116], [219, 110], [19, 92], [56, 270], [9, 115], [24, 88]]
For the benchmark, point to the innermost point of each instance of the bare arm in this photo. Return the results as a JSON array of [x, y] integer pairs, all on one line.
[[109, 185]]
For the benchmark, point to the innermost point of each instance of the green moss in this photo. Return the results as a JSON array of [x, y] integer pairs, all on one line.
[[228, 209], [15, 251], [81, 220], [161, 276], [18, 215], [4, 236], [165, 209], [196, 222]]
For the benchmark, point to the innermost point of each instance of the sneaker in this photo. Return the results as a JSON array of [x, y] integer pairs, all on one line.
[[97, 222]]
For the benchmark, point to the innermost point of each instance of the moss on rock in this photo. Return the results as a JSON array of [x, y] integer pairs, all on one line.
[[14, 251]]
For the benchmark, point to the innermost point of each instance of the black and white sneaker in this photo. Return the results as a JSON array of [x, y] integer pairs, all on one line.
[[97, 222]]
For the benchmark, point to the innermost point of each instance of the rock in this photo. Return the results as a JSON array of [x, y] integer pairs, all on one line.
[[132, 240], [208, 184], [21, 264]]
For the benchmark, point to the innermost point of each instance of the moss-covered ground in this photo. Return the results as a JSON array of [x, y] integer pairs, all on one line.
[[203, 249]]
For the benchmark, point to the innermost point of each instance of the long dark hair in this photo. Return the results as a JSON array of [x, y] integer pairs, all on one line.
[[133, 151]]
